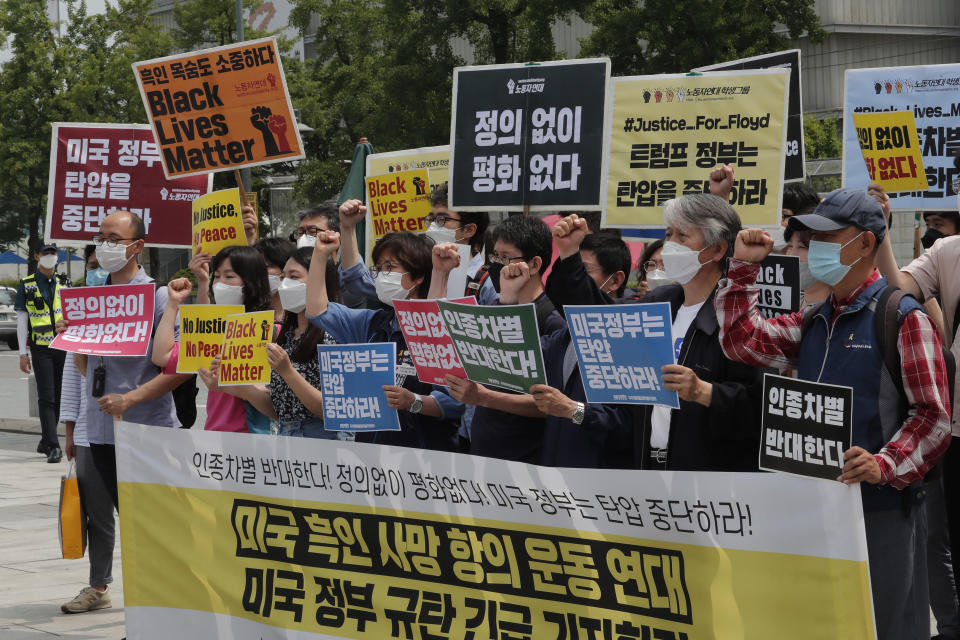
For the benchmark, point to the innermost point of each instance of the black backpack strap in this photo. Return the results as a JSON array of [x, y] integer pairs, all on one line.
[[476, 282], [886, 322], [544, 308], [956, 321]]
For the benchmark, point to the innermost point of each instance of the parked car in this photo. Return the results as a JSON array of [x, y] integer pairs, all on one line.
[[8, 317]]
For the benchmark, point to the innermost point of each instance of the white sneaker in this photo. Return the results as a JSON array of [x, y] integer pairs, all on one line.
[[89, 599]]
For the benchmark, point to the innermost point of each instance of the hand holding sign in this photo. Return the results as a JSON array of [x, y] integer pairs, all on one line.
[[552, 402], [753, 245], [466, 391], [878, 193], [398, 398], [250, 224], [568, 234], [351, 213], [685, 382], [279, 360], [860, 466], [200, 268]]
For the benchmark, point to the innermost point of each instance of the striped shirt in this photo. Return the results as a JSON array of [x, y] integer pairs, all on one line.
[[73, 401]]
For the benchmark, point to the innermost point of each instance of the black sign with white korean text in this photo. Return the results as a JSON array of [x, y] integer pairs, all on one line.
[[794, 167], [779, 285], [529, 135], [806, 427]]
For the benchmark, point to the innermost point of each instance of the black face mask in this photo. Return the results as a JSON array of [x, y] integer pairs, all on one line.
[[494, 268], [931, 236]]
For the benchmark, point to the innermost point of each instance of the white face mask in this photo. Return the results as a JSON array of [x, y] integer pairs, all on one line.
[[48, 261], [227, 293], [777, 235], [657, 278], [293, 295], [389, 287], [274, 283], [441, 235], [680, 263], [113, 259], [306, 241]]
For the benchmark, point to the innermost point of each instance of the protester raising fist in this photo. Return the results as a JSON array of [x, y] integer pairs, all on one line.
[[753, 245], [328, 242], [512, 279], [568, 233], [351, 212], [179, 290]]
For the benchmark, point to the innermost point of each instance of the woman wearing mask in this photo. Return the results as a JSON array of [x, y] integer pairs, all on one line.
[[717, 426], [276, 252], [239, 277], [650, 269], [798, 244], [402, 266]]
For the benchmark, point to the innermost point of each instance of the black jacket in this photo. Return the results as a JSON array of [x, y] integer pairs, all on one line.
[[722, 437]]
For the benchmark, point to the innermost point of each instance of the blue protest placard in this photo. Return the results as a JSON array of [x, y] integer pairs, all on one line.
[[620, 349], [352, 379]]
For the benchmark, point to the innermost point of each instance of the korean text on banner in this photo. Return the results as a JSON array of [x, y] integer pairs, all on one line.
[[219, 109], [398, 202], [620, 350], [115, 320], [202, 327], [97, 168], [807, 426], [352, 380], [434, 160], [794, 167], [273, 538], [529, 135], [243, 356], [218, 221], [499, 346], [932, 94], [891, 150], [779, 285], [428, 341], [669, 131]]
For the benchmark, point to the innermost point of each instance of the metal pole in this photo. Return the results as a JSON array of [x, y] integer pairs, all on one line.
[[244, 173]]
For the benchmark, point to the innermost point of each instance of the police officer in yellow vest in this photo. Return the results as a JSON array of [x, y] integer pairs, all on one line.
[[38, 309]]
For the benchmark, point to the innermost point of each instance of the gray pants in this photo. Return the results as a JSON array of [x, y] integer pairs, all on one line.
[[98, 507], [896, 547], [943, 591]]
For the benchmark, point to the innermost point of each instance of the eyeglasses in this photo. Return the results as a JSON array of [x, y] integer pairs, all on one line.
[[310, 231], [110, 243], [651, 265], [504, 260], [440, 218], [384, 267]]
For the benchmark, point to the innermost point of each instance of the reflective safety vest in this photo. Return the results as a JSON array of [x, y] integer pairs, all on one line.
[[43, 317]]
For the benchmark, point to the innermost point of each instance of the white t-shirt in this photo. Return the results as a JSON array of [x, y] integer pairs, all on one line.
[[660, 417]]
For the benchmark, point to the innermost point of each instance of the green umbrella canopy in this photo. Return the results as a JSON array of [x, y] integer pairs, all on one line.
[[354, 187]]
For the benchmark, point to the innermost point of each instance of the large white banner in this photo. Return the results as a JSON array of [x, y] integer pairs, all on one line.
[[255, 536]]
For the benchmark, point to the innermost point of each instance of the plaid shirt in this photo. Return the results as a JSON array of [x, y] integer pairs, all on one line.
[[747, 337]]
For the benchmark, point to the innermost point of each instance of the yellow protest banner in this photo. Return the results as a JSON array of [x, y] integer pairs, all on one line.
[[398, 201], [201, 333], [217, 221], [891, 150], [435, 160], [669, 131], [243, 356]]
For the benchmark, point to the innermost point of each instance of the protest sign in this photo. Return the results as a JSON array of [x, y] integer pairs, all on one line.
[[428, 341], [620, 349], [219, 109], [669, 131], [352, 380], [891, 150], [794, 167], [202, 327], [218, 221], [779, 285], [529, 135], [243, 355], [398, 202], [806, 426], [499, 345], [290, 538], [932, 94], [115, 320], [457, 278], [434, 160], [98, 168]]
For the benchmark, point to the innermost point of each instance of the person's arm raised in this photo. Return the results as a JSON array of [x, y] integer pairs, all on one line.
[[445, 260], [568, 235], [164, 336], [351, 213], [327, 244]]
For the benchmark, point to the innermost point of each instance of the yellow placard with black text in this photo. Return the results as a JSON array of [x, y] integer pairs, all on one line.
[[668, 132], [243, 355], [891, 150], [398, 202], [217, 221], [201, 334]]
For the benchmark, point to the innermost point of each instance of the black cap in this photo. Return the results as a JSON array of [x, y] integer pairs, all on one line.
[[47, 246], [844, 208]]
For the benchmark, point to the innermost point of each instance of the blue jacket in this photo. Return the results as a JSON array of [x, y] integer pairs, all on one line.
[[846, 352]]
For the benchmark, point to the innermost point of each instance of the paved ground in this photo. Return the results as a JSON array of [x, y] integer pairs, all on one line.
[[34, 579]]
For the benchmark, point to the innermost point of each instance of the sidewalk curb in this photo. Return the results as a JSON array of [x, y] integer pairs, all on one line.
[[27, 425]]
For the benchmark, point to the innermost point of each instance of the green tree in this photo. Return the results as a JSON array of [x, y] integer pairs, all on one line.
[[822, 138], [674, 36], [201, 24]]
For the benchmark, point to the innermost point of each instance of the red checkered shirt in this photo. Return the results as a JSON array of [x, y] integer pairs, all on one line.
[[746, 336]]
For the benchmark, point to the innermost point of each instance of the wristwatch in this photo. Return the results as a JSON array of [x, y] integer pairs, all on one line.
[[417, 404], [577, 416]]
